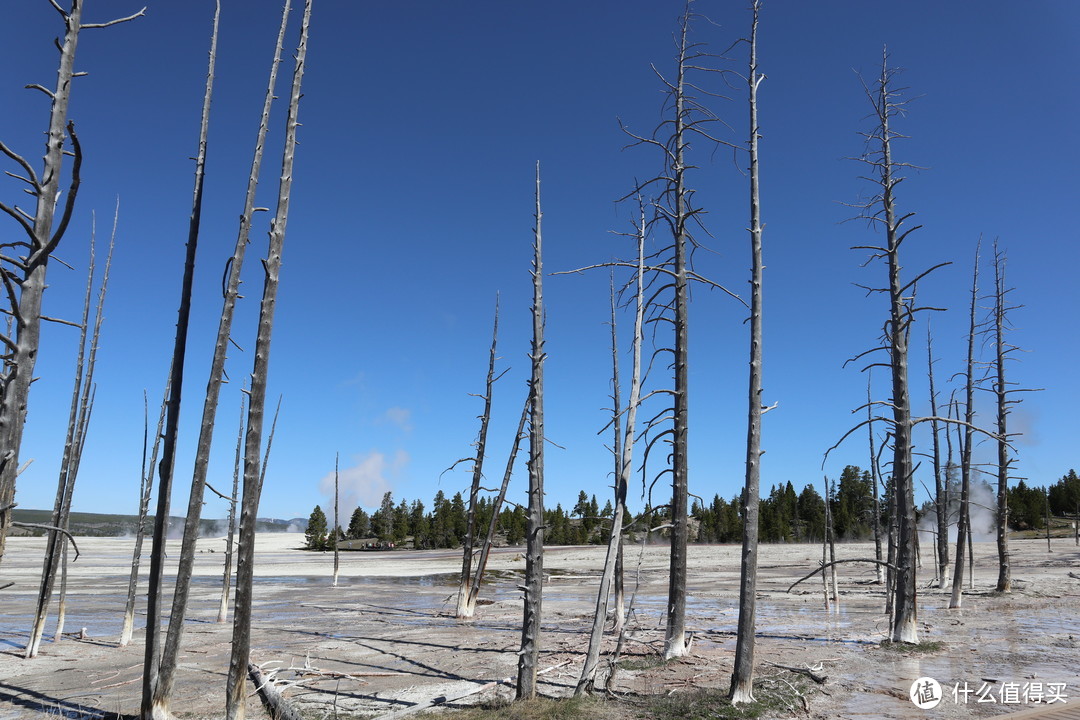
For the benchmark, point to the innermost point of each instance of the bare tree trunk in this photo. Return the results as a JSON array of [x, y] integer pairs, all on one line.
[[1001, 395], [75, 440], [941, 500], [882, 209], [890, 590], [159, 664], [223, 609], [616, 421], [625, 446], [963, 525], [1047, 498], [241, 643], [675, 631], [529, 655], [465, 601], [337, 522], [28, 274], [53, 545], [875, 476], [742, 676], [146, 487], [824, 551], [496, 508], [231, 293], [832, 556]]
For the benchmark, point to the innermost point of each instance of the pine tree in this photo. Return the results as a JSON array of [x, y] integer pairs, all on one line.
[[359, 524], [315, 535]]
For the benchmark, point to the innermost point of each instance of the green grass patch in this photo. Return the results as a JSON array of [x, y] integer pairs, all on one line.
[[713, 704], [772, 699], [921, 648], [572, 708], [642, 662]]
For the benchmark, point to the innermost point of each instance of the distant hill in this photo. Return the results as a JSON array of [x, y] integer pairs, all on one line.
[[107, 525]]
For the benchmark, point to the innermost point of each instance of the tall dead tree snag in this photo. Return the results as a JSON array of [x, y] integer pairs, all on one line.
[[466, 601], [963, 526], [685, 116], [675, 632], [941, 490], [146, 487], [23, 262], [230, 537], [881, 212], [152, 705], [875, 477], [230, 292], [529, 654], [496, 508], [1001, 394], [337, 523], [616, 421], [742, 676], [887, 106], [245, 556], [74, 442], [624, 449], [1003, 390]]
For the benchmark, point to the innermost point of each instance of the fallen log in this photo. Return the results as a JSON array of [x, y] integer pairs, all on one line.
[[819, 679], [837, 562], [278, 707]]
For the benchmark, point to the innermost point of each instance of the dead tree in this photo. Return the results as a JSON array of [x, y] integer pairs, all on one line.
[[875, 477], [337, 522], [1002, 391], [22, 272], [154, 694], [881, 211], [74, 442], [963, 523], [496, 508], [686, 117], [616, 422], [830, 541], [465, 601], [230, 546], [230, 292], [1001, 395], [146, 487], [675, 632], [624, 448], [529, 654], [70, 469], [742, 676], [941, 491], [245, 556]]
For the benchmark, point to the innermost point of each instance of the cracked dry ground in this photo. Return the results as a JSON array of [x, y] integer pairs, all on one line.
[[384, 639]]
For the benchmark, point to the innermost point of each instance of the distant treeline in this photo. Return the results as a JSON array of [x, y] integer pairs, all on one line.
[[108, 525], [785, 516]]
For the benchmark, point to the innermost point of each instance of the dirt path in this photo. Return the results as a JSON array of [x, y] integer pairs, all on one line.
[[384, 638]]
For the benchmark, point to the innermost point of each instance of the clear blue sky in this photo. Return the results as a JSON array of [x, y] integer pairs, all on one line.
[[412, 207]]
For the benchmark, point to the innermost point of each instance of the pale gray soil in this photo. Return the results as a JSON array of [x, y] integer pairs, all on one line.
[[384, 638]]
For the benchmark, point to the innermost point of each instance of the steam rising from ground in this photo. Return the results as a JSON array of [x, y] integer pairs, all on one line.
[[363, 484], [983, 499]]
